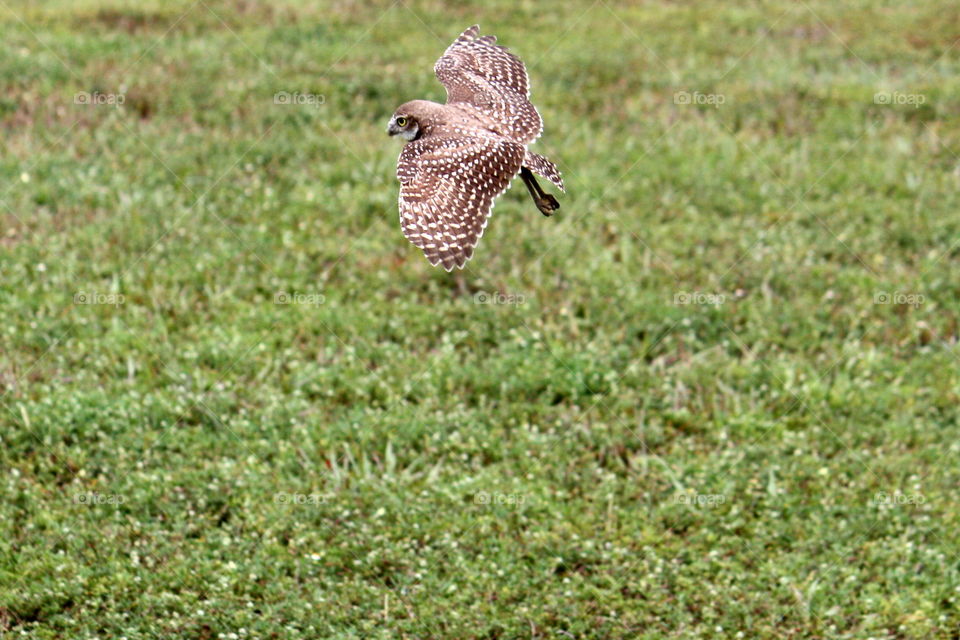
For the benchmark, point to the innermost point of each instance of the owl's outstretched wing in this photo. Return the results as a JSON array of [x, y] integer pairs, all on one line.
[[447, 189], [476, 71]]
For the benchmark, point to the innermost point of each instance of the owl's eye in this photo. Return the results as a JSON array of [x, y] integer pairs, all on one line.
[[401, 122]]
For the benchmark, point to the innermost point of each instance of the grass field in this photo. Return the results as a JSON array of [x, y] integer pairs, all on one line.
[[716, 396]]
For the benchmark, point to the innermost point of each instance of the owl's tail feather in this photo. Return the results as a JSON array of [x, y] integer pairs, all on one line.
[[543, 167]]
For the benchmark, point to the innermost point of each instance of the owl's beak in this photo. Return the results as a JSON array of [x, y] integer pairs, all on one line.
[[392, 128]]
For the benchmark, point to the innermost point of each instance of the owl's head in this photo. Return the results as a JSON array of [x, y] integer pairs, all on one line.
[[404, 125]]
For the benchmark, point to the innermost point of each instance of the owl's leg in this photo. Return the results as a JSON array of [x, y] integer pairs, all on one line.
[[545, 202]]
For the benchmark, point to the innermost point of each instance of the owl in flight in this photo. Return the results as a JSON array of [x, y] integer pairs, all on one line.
[[461, 155]]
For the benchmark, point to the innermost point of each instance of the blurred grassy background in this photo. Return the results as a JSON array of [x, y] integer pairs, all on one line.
[[715, 396]]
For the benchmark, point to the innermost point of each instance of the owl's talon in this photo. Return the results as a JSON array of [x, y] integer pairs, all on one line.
[[545, 202], [547, 205]]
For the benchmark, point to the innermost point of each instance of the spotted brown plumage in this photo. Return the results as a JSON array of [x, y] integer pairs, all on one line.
[[460, 156], [448, 189], [478, 72]]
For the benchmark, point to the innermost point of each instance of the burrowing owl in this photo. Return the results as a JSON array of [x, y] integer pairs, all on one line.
[[461, 155]]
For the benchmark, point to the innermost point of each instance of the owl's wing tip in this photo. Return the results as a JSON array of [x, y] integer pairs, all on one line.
[[439, 261], [450, 264]]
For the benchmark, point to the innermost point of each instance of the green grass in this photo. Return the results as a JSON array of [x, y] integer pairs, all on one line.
[[716, 396]]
